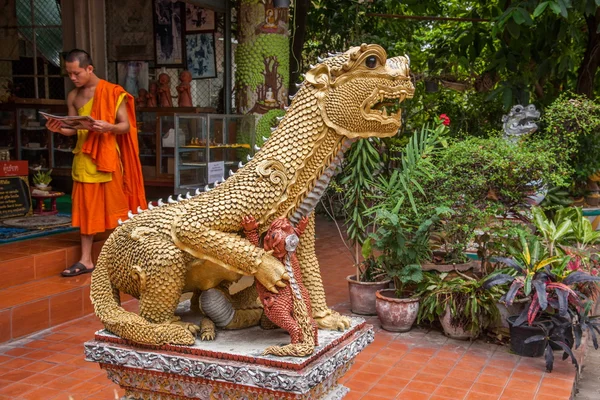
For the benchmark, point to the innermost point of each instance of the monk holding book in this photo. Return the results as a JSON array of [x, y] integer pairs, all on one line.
[[107, 175]]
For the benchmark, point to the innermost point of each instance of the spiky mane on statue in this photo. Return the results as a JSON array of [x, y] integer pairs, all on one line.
[[197, 244]]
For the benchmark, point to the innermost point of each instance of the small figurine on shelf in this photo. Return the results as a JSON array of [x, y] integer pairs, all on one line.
[[142, 99], [24, 119], [184, 89], [164, 91], [151, 101]]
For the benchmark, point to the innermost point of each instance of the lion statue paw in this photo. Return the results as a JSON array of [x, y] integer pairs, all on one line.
[[333, 321]]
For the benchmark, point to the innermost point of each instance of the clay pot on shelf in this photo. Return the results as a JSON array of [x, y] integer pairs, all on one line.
[[396, 314], [362, 295]]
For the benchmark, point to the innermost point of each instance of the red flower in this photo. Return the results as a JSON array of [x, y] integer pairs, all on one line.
[[445, 119]]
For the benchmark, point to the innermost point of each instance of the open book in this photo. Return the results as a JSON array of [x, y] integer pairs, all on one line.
[[74, 122]]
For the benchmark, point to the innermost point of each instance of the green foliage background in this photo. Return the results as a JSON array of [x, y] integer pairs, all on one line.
[[534, 49]]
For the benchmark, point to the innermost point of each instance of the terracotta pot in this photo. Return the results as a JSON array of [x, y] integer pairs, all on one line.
[[592, 200], [507, 311], [396, 314], [455, 332], [578, 202], [362, 295]]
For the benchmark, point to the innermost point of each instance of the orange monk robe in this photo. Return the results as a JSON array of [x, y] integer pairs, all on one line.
[[98, 206]]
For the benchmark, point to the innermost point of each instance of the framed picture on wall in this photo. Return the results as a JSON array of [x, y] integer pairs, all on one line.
[[168, 33], [130, 29], [198, 19], [200, 50], [133, 76]]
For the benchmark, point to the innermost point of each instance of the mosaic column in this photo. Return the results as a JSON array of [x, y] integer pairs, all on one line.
[[262, 56]]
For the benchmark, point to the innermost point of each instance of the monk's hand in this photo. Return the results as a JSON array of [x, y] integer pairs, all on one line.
[[53, 125], [102, 126]]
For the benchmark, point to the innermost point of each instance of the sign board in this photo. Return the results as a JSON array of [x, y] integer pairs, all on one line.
[[216, 171], [14, 168], [15, 198]]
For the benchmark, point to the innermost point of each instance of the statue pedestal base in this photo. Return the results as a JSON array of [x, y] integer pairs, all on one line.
[[232, 366]]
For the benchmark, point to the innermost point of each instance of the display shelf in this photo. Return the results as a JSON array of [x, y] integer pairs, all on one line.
[[21, 123]]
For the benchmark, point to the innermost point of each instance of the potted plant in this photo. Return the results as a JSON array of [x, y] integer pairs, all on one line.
[[366, 193], [362, 159], [460, 302], [41, 179], [403, 241], [547, 282]]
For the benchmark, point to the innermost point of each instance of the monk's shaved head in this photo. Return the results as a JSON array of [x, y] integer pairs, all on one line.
[[79, 55]]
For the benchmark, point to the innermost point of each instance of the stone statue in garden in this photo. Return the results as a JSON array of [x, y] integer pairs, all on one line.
[[520, 121], [197, 244]]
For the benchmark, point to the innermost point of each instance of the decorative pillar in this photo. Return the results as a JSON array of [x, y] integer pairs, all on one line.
[[262, 56]]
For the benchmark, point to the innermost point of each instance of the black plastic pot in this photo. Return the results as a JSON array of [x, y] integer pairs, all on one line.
[[518, 335]]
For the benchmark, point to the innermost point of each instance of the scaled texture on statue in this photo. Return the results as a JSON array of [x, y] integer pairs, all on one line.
[[196, 244], [290, 307]]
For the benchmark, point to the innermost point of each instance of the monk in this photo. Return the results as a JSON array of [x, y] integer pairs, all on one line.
[[107, 175]]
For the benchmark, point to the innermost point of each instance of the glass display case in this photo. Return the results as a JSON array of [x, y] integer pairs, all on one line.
[[146, 124], [8, 135], [156, 139], [24, 135], [35, 142], [209, 147]]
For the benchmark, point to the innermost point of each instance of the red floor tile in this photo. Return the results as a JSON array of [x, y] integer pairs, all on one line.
[[457, 383], [412, 395], [18, 351], [555, 391], [39, 379], [16, 389], [510, 394], [481, 396], [16, 363], [486, 388], [423, 387], [451, 392], [387, 392], [556, 382], [492, 380], [44, 393]]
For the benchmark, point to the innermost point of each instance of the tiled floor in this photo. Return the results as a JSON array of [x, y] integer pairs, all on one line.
[[420, 364]]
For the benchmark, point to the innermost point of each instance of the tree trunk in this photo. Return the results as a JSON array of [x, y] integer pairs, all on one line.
[[300, 15], [591, 58]]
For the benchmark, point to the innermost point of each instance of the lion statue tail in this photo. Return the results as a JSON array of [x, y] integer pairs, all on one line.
[[128, 325]]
